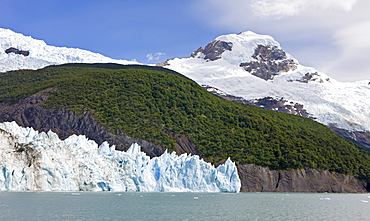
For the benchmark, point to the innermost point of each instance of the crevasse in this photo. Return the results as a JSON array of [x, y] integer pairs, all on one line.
[[33, 161]]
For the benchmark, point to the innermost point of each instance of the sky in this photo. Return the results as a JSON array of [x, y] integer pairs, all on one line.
[[332, 36]]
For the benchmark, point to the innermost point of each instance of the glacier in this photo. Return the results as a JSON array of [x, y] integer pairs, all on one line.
[[42, 55], [33, 161]]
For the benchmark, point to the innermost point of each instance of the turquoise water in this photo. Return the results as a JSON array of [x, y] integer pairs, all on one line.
[[182, 206]]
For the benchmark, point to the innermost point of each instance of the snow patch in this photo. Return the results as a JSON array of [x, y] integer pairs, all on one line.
[[42, 55]]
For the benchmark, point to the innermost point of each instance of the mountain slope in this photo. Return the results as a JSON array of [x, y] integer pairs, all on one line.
[[250, 66], [167, 109], [23, 52], [255, 68]]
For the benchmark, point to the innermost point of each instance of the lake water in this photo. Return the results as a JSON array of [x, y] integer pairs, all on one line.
[[182, 206]]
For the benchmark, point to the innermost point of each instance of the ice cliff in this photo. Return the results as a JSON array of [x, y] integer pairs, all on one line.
[[33, 161]]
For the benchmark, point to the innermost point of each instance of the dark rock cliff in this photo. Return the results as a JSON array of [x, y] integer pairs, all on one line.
[[29, 113], [261, 179]]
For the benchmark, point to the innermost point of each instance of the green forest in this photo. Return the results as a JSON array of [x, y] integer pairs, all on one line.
[[145, 102]]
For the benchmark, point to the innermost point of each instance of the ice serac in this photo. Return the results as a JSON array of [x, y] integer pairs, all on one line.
[[33, 161], [256, 69], [23, 52]]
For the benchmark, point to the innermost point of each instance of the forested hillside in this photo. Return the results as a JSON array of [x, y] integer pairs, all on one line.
[[151, 103]]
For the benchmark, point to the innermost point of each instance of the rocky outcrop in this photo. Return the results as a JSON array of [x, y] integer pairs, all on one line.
[[269, 62], [196, 52], [214, 50], [311, 77], [268, 103], [17, 51], [269, 53], [280, 105], [262, 179], [362, 137]]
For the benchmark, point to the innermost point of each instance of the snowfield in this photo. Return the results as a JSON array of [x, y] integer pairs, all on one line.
[[42, 55]]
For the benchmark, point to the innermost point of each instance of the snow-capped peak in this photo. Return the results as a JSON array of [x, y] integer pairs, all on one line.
[[254, 66], [246, 54], [244, 45], [40, 54]]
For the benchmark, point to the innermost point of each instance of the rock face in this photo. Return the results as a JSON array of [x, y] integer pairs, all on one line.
[[261, 179], [214, 50], [16, 51], [269, 61]]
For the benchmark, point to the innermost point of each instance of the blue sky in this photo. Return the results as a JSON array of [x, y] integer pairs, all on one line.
[[330, 35]]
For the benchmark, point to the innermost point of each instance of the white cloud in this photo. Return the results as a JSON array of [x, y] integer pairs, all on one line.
[[354, 36], [155, 57], [281, 8], [277, 9], [345, 5], [353, 61]]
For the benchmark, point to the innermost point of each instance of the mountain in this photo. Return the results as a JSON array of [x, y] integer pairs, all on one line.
[[33, 161], [161, 109], [254, 69], [246, 67], [23, 52]]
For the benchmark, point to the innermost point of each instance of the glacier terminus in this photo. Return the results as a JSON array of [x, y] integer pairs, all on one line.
[[33, 161]]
